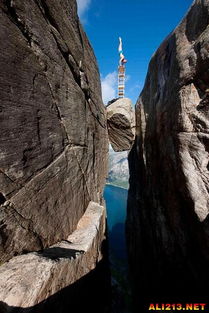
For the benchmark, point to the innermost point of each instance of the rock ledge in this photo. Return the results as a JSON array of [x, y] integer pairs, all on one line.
[[27, 280]]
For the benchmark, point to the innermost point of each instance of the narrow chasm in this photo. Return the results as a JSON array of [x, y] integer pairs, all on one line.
[[121, 131]]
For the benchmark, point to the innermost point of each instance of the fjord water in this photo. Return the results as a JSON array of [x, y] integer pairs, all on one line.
[[116, 202]]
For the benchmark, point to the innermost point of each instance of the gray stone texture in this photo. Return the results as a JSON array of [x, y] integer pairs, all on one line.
[[53, 125], [36, 282], [168, 206], [121, 124]]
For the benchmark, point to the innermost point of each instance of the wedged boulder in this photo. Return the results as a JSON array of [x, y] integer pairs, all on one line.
[[121, 124], [52, 123], [168, 205]]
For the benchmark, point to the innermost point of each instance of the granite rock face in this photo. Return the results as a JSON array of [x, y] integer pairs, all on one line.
[[53, 125], [52, 279], [168, 206], [121, 124]]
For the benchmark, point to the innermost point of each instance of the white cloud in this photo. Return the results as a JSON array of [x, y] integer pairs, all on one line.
[[137, 86], [128, 77], [109, 86], [83, 6]]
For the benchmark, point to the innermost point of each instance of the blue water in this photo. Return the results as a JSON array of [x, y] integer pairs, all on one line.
[[116, 203]]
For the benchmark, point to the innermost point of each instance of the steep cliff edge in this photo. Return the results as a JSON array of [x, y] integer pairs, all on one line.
[[168, 205], [53, 141], [53, 125], [63, 277]]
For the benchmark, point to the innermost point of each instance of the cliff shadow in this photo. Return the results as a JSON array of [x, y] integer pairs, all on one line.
[[91, 293], [55, 253], [117, 241], [178, 273]]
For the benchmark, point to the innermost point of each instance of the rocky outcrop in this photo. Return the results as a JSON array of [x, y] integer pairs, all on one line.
[[121, 124], [53, 125], [168, 204], [27, 280]]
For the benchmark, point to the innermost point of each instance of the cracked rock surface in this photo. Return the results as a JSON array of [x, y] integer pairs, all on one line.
[[121, 124], [52, 122], [168, 202]]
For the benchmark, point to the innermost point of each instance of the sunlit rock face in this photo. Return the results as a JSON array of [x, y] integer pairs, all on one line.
[[53, 125], [168, 206], [121, 124]]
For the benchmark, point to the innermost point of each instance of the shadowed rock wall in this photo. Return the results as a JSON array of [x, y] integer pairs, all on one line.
[[168, 205], [52, 122]]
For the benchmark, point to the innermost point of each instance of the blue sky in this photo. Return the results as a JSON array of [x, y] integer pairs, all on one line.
[[142, 24]]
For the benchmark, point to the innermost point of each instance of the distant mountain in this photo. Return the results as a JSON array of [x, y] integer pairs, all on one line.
[[118, 169]]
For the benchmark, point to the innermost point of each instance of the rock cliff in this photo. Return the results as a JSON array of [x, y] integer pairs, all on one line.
[[168, 205], [53, 129], [53, 140]]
